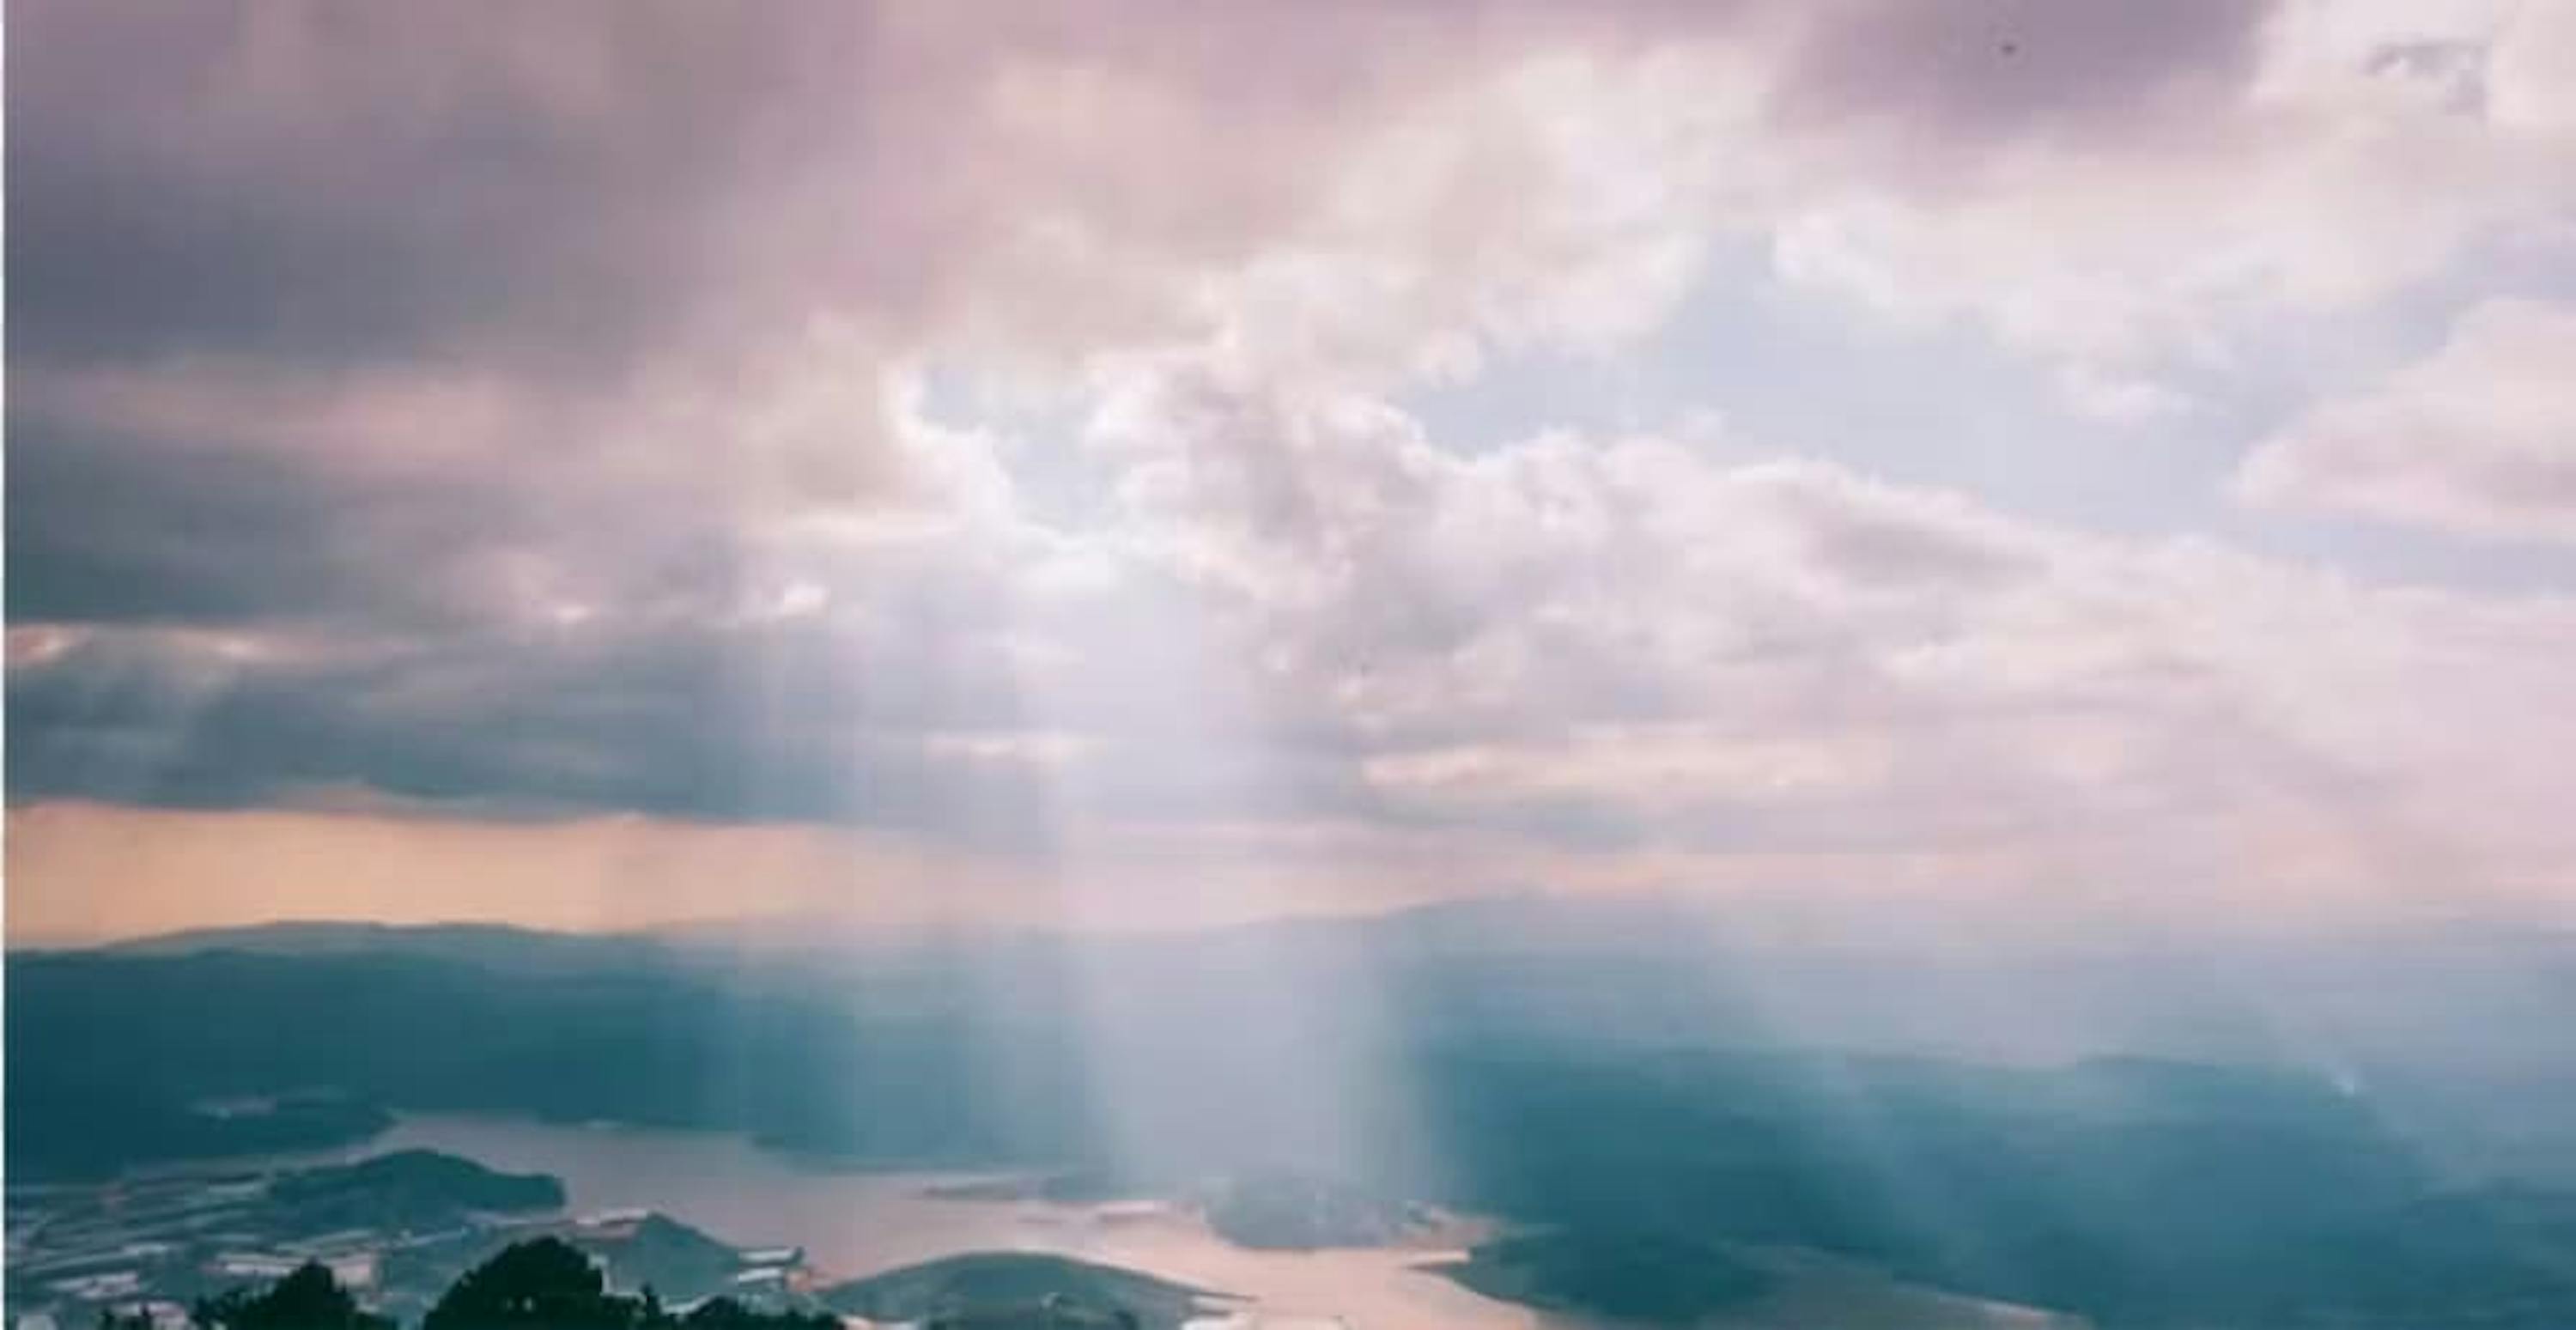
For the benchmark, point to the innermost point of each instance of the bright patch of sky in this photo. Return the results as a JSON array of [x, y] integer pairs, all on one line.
[[1752, 365]]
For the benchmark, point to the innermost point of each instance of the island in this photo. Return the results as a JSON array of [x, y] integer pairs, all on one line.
[[1011, 1290]]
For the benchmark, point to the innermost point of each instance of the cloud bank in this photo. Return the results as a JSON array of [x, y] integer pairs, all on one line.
[[1003, 437]]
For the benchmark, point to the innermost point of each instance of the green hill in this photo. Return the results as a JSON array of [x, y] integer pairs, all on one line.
[[411, 1189]]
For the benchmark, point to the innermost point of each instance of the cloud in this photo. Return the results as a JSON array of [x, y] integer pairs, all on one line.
[[1625, 645], [748, 725], [2305, 162], [472, 420], [593, 331], [1608, 653], [2005, 69], [2476, 440]]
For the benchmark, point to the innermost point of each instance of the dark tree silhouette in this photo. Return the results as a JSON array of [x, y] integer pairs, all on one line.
[[307, 1299], [549, 1284], [545, 1283]]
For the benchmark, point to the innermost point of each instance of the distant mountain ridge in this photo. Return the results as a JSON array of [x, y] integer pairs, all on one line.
[[498, 946]]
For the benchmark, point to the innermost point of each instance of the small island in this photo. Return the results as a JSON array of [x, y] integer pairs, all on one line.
[[1010, 1290], [1297, 1212], [1646, 1279]]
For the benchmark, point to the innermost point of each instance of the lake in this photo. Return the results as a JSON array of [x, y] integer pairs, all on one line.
[[859, 1223]]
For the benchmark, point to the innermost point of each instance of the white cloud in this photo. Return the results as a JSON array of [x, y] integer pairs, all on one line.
[[2367, 152], [1781, 671], [2477, 439]]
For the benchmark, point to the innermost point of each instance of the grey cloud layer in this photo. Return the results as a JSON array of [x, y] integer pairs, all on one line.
[[332, 182]]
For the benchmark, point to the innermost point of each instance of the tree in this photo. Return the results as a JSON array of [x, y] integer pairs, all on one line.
[[549, 1284], [306, 1299], [545, 1284]]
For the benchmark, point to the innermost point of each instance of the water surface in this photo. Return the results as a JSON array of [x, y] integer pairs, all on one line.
[[858, 1223]]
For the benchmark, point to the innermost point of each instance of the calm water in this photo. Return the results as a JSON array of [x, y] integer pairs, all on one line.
[[860, 1223]]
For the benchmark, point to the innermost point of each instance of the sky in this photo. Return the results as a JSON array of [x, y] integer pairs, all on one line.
[[1134, 463]]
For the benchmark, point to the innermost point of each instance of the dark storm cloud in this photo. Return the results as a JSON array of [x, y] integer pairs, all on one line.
[[104, 528], [338, 182], [745, 727]]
